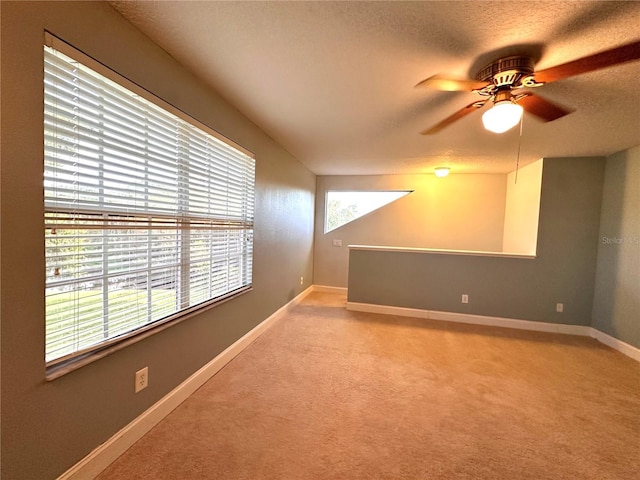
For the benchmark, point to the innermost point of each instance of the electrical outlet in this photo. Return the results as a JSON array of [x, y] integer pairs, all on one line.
[[301, 280], [559, 307], [337, 243], [142, 379], [465, 298]]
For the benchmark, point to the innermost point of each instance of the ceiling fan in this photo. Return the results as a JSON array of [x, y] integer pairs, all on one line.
[[506, 83]]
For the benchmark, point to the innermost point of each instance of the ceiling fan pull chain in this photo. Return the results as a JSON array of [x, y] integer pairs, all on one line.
[[519, 145]]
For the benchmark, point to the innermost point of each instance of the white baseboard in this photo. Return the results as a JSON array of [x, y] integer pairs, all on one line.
[[100, 458], [583, 330], [328, 289], [388, 310], [511, 323], [622, 347]]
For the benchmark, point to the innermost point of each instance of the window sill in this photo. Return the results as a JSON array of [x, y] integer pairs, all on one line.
[[57, 370]]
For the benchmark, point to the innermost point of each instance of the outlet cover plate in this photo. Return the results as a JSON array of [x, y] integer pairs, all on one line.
[[142, 379]]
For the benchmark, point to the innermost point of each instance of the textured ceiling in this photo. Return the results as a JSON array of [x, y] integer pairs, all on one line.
[[332, 82]]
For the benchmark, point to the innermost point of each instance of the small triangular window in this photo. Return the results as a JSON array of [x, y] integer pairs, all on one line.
[[345, 207]]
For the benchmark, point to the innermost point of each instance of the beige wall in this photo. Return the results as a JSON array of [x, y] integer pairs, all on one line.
[[522, 209], [461, 212], [49, 426]]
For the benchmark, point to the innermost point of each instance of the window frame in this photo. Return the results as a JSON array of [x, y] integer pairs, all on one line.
[[69, 362]]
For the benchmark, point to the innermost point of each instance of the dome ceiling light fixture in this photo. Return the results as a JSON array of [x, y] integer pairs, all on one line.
[[441, 172]]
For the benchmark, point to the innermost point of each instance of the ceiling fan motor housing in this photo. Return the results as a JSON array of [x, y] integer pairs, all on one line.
[[506, 71]]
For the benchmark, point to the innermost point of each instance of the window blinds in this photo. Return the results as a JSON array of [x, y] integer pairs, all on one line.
[[147, 216]]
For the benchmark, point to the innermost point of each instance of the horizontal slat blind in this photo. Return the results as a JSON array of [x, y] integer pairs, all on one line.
[[146, 215]]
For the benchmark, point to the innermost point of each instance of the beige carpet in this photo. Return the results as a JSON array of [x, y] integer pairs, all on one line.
[[331, 394]]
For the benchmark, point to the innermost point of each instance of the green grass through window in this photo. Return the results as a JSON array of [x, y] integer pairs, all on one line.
[[82, 313]]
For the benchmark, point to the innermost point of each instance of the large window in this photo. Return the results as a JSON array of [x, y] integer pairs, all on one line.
[[148, 213]]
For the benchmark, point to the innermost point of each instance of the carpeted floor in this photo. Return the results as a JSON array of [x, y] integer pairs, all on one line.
[[331, 394]]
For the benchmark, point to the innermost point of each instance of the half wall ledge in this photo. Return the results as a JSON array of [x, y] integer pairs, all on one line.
[[437, 251]]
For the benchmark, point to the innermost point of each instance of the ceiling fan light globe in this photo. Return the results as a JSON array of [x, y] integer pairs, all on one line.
[[502, 117]]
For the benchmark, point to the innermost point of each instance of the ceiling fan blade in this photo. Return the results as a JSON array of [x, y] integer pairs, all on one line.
[[608, 58], [542, 108], [450, 84], [456, 116]]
